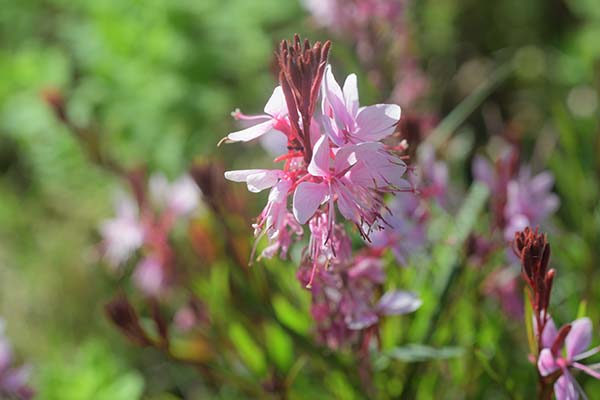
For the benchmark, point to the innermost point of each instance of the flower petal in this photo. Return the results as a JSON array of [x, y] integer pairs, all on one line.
[[377, 121], [276, 105], [251, 133], [564, 388], [579, 338], [334, 97], [351, 94], [398, 302], [546, 363], [256, 179], [319, 165], [549, 334], [307, 198]]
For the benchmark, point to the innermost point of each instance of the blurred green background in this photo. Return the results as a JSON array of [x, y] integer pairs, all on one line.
[[156, 80]]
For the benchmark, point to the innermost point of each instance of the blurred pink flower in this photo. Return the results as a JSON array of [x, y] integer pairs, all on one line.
[[529, 201], [147, 226], [149, 276], [124, 234], [518, 198]]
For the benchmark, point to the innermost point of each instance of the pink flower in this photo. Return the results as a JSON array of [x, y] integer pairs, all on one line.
[[552, 359], [273, 119], [359, 175], [346, 122]]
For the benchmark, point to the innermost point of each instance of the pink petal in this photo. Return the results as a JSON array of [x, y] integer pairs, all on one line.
[[546, 363], [319, 165], [564, 388], [307, 198], [375, 166], [579, 338], [345, 157], [256, 179], [347, 207], [398, 302], [377, 121], [252, 132], [549, 334], [351, 94], [335, 97], [276, 105]]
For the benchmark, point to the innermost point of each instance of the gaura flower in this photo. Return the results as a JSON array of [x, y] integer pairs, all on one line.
[[346, 122], [274, 118]]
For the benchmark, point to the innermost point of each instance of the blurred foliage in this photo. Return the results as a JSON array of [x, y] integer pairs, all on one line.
[[156, 81]]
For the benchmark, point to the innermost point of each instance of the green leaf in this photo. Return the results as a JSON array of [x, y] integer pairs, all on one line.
[[415, 352], [249, 351], [291, 316], [280, 348]]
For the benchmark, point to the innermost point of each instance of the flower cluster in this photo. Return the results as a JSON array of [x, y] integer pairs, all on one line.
[[144, 223], [344, 292], [558, 350], [13, 380], [335, 157]]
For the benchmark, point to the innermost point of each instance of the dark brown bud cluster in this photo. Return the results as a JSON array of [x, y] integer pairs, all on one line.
[[302, 67], [533, 249]]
